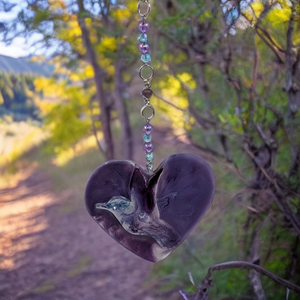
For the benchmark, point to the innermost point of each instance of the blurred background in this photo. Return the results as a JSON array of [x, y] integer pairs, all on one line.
[[227, 88]]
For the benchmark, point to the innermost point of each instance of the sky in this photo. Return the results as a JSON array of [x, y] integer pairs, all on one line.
[[19, 46], [17, 49]]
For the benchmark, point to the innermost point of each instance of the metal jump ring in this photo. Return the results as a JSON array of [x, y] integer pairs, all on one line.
[[147, 106], [141, 70], [147, 11]]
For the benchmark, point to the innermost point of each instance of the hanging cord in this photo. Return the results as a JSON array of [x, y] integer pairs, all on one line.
[[146, 73]]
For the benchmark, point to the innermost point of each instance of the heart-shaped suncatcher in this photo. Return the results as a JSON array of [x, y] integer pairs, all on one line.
[[150, 214]]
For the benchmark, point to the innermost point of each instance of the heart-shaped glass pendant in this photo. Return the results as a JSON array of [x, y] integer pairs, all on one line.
[[150, 214]]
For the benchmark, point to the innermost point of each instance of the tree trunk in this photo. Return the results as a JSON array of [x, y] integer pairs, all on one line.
[[254, 257], [292, 70], [99, 78], [127, 144], [292, 89]]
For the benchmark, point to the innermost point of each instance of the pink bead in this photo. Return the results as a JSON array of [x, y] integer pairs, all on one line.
[[148, 147], [144, 48], [144, 26], [148, 128]]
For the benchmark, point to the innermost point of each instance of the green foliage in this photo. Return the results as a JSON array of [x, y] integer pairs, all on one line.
[[17, 97], [68, 121], [68, 128]]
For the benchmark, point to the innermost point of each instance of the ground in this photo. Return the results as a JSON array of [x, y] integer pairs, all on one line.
[[50, 248], [48, 252]]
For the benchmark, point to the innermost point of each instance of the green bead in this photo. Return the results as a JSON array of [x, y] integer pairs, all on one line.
[[142, 38], [147, 138], [150, 167], [145, 58], [149, 156]]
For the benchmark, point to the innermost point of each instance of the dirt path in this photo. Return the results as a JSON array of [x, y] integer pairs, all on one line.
[[51, 249], [48, 251]]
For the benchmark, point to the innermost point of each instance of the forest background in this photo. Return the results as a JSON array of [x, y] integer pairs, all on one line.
[[227, 86]]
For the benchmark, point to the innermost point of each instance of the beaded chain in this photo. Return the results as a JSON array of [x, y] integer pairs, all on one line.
[[146, 73]]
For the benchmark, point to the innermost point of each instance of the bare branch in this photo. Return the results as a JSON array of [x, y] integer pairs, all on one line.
[[255, 74], [207, 150], [187, 246], [251, 155], [247, 265], [253, 275], [270, 39], [183, 295], [294, 103], [275, 51], [168, 102], [177, 44], [264, 35]]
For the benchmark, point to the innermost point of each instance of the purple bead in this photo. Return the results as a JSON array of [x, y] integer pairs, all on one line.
[[148, 128], [148, 147], [144, 26], [144, 48]]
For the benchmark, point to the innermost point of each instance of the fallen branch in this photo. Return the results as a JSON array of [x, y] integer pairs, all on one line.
[[245, 265]]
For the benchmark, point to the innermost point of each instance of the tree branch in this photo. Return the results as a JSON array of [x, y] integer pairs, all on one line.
[[246, 265], [168, 102], [294, 101], [177, 44], [274, 50]]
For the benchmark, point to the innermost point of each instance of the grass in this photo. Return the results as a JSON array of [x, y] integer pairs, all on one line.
[[214, 240], [44, 287], [17, 138]]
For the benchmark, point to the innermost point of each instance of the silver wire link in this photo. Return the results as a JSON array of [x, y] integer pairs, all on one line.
[[147, 80], [148, 107], [146, 10]]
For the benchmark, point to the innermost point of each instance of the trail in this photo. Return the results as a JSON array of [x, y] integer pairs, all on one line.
[[51, 251]]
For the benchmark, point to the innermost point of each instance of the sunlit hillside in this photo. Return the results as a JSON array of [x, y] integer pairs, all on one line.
[[24, 66]]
